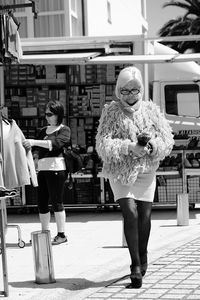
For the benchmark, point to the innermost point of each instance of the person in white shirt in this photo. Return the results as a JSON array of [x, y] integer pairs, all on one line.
[[51, 168]]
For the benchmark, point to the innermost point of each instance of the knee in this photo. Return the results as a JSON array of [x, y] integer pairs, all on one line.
[[43, 210], [58, 207], [129, 209]]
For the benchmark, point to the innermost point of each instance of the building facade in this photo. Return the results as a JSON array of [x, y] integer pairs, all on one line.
[[59, 18]]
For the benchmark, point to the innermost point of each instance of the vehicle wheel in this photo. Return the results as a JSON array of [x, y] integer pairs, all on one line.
[[21, 244]]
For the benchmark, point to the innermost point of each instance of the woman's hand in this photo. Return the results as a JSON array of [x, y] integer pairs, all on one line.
[[28, 143], [137, 150]]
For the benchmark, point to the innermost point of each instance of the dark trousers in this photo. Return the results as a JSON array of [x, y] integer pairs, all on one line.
[[50, 190]]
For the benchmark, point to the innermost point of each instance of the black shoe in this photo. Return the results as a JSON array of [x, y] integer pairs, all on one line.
[[136, 278]]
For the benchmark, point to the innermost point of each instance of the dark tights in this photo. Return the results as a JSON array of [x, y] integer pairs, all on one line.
[[137, 226]]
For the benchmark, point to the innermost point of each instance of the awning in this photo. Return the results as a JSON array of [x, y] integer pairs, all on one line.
[[95, 58], [99, 50], [150, 59], [58, 59]]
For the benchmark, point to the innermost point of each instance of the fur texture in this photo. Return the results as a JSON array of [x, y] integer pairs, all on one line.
[[118, 127]]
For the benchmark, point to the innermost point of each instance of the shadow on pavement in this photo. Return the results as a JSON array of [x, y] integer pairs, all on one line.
[[73, 284]]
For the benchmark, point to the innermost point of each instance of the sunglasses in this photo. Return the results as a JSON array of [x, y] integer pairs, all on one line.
[[49, 114], [128, 92]]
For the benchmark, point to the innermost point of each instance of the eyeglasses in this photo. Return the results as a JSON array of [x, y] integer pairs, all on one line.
[[128, 92], [49, 114]]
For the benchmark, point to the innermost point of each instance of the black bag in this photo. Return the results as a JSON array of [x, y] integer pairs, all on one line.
[[73, 160]]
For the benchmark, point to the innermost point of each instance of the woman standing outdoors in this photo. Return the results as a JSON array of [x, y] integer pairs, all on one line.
[[133, 136], [51, 168]]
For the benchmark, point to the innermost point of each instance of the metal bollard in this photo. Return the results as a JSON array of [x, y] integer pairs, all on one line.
[[43, 259], [182, 210]]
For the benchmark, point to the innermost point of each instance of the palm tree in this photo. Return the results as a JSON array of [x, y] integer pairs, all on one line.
[[188, 24]]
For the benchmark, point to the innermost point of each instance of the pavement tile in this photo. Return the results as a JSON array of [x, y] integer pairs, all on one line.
[[180, 291], [169, 277], [197, 292], [93, 264], [173, 297], [163, 286], [187, 286]]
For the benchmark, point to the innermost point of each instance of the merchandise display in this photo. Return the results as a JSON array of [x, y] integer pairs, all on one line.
[[84, 90]]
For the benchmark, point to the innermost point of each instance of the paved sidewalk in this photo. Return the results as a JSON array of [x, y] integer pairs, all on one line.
[[175, 275], [95, 265]]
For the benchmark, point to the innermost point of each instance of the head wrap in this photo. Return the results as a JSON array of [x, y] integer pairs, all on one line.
[[127, 74]]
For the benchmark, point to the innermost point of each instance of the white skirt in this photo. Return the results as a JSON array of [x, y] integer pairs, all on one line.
[[142, 189]]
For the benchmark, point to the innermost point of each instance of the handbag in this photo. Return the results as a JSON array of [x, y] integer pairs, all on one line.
[[73, 160]]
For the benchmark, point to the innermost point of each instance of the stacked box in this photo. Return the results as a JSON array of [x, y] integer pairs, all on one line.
[[17, 200], [15, 109], [84, 191], [101, 73], [22, 74], [82, 73], [40, 74], [73, 127], [30, 96], [73, 74], [76, 74], [90, 74], [14, 75], [81, 140], [50, 72], [30, 74], [62, 99], [110, 73], [61, 77], [95, 101]]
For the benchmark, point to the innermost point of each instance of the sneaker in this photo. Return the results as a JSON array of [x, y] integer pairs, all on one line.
[[59, 240]]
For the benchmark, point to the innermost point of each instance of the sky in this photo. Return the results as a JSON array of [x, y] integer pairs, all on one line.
[[157, 16]]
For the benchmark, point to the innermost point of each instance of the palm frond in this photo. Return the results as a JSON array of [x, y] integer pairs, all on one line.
[[191, 6], [188, 24]]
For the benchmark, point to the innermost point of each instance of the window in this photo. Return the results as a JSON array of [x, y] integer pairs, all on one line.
[[74, 6], [109, 12], [50, 21], [55, 18], [76, 17], [182, 100]]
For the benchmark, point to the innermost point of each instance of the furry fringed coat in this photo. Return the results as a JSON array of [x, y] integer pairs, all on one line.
[[118, 127]]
